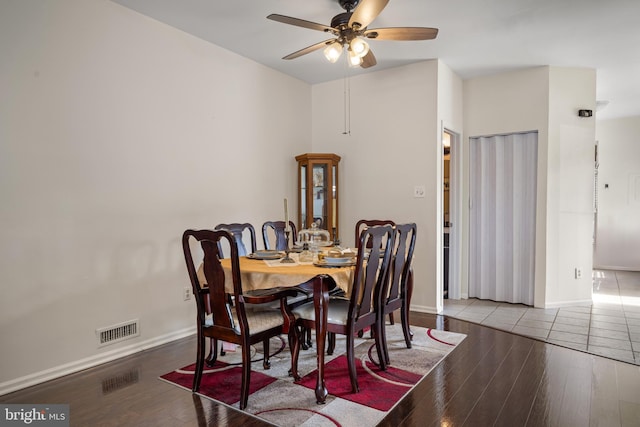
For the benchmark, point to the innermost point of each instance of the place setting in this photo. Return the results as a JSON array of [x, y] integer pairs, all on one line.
[[266, 255], [336, 257]]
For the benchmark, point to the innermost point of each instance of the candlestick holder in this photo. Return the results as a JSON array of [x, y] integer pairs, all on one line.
[[336, 240], [287, 258]]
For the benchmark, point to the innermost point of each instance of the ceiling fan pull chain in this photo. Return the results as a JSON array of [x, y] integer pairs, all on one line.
[[344, 131], [349, 105], [347, 100]]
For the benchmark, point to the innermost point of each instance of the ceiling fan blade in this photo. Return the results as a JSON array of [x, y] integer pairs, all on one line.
[[369, 60], [366, 11], [300, 23], [308, 49], [402, 33]]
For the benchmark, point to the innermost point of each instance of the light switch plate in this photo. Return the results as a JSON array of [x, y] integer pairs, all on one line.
[[418, 191]]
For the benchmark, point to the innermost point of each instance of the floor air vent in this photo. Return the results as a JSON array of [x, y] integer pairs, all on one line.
[[117, 333]]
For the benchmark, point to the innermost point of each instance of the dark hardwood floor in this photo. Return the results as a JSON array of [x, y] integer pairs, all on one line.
[[493, 378]]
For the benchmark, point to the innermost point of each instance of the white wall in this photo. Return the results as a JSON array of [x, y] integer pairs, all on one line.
[[450, 106], [547, 99], [513, 102], [393, 146], [570, 186], [117, 133], [618, 227]]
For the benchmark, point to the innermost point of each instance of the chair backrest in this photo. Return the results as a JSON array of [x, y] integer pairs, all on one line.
[[404, 241], [238, 230], [371, 271], [218, 305], [365, 223], [277, 228]]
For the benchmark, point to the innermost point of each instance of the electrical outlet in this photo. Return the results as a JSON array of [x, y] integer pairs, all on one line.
[[578, 273], [418, 191], [187, 293]]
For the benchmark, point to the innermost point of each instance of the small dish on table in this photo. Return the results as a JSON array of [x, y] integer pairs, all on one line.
[[335, 262], [266, 255]]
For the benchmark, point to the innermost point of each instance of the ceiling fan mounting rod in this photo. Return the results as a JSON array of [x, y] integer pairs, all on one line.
[[348, 5]]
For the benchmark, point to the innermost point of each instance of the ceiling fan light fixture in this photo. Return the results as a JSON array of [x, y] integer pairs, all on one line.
[[350, 31], [354, 59], [333, 51], [359, 46]]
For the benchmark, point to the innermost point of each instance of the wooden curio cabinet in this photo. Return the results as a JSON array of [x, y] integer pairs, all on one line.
[[318, 191]]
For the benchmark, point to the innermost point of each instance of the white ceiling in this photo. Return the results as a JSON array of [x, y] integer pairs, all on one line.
[[477, 37]]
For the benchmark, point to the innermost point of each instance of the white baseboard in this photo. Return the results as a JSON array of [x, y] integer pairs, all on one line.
[[90, 362], [423, 309], [615, 267]]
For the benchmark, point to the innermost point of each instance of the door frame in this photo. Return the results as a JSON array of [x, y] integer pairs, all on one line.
[[455, 215]]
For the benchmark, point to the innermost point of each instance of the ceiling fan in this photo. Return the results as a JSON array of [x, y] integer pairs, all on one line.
[[350, 30]]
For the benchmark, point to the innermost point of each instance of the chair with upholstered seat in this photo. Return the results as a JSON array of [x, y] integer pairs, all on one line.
[[347, 316], [365, 223], [362, 225], [240, 232], [276, 228], [395, 294], [217, 319]]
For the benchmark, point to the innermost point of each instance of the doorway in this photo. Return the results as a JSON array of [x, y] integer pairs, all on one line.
[[502, 221], [451, 214]]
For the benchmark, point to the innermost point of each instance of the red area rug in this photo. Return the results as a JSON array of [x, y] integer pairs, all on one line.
[[378, 389], [275, 398], [220, 382]]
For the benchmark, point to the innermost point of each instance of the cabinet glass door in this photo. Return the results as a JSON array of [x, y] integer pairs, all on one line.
[[303, 197], [320, 195], [318, 191]]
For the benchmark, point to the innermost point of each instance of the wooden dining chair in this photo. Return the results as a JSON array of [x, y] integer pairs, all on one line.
[[360, 226], [239, 232], [217, 319], [395, 294], [365, 223], [347, 316], [276, 228]]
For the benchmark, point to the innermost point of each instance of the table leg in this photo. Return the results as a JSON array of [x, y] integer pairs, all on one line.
[[321, 302]]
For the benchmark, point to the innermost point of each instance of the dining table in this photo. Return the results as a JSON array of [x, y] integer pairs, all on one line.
[[263, 274]]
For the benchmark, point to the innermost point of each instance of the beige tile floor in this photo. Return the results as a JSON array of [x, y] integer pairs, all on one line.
[[609, 327]]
